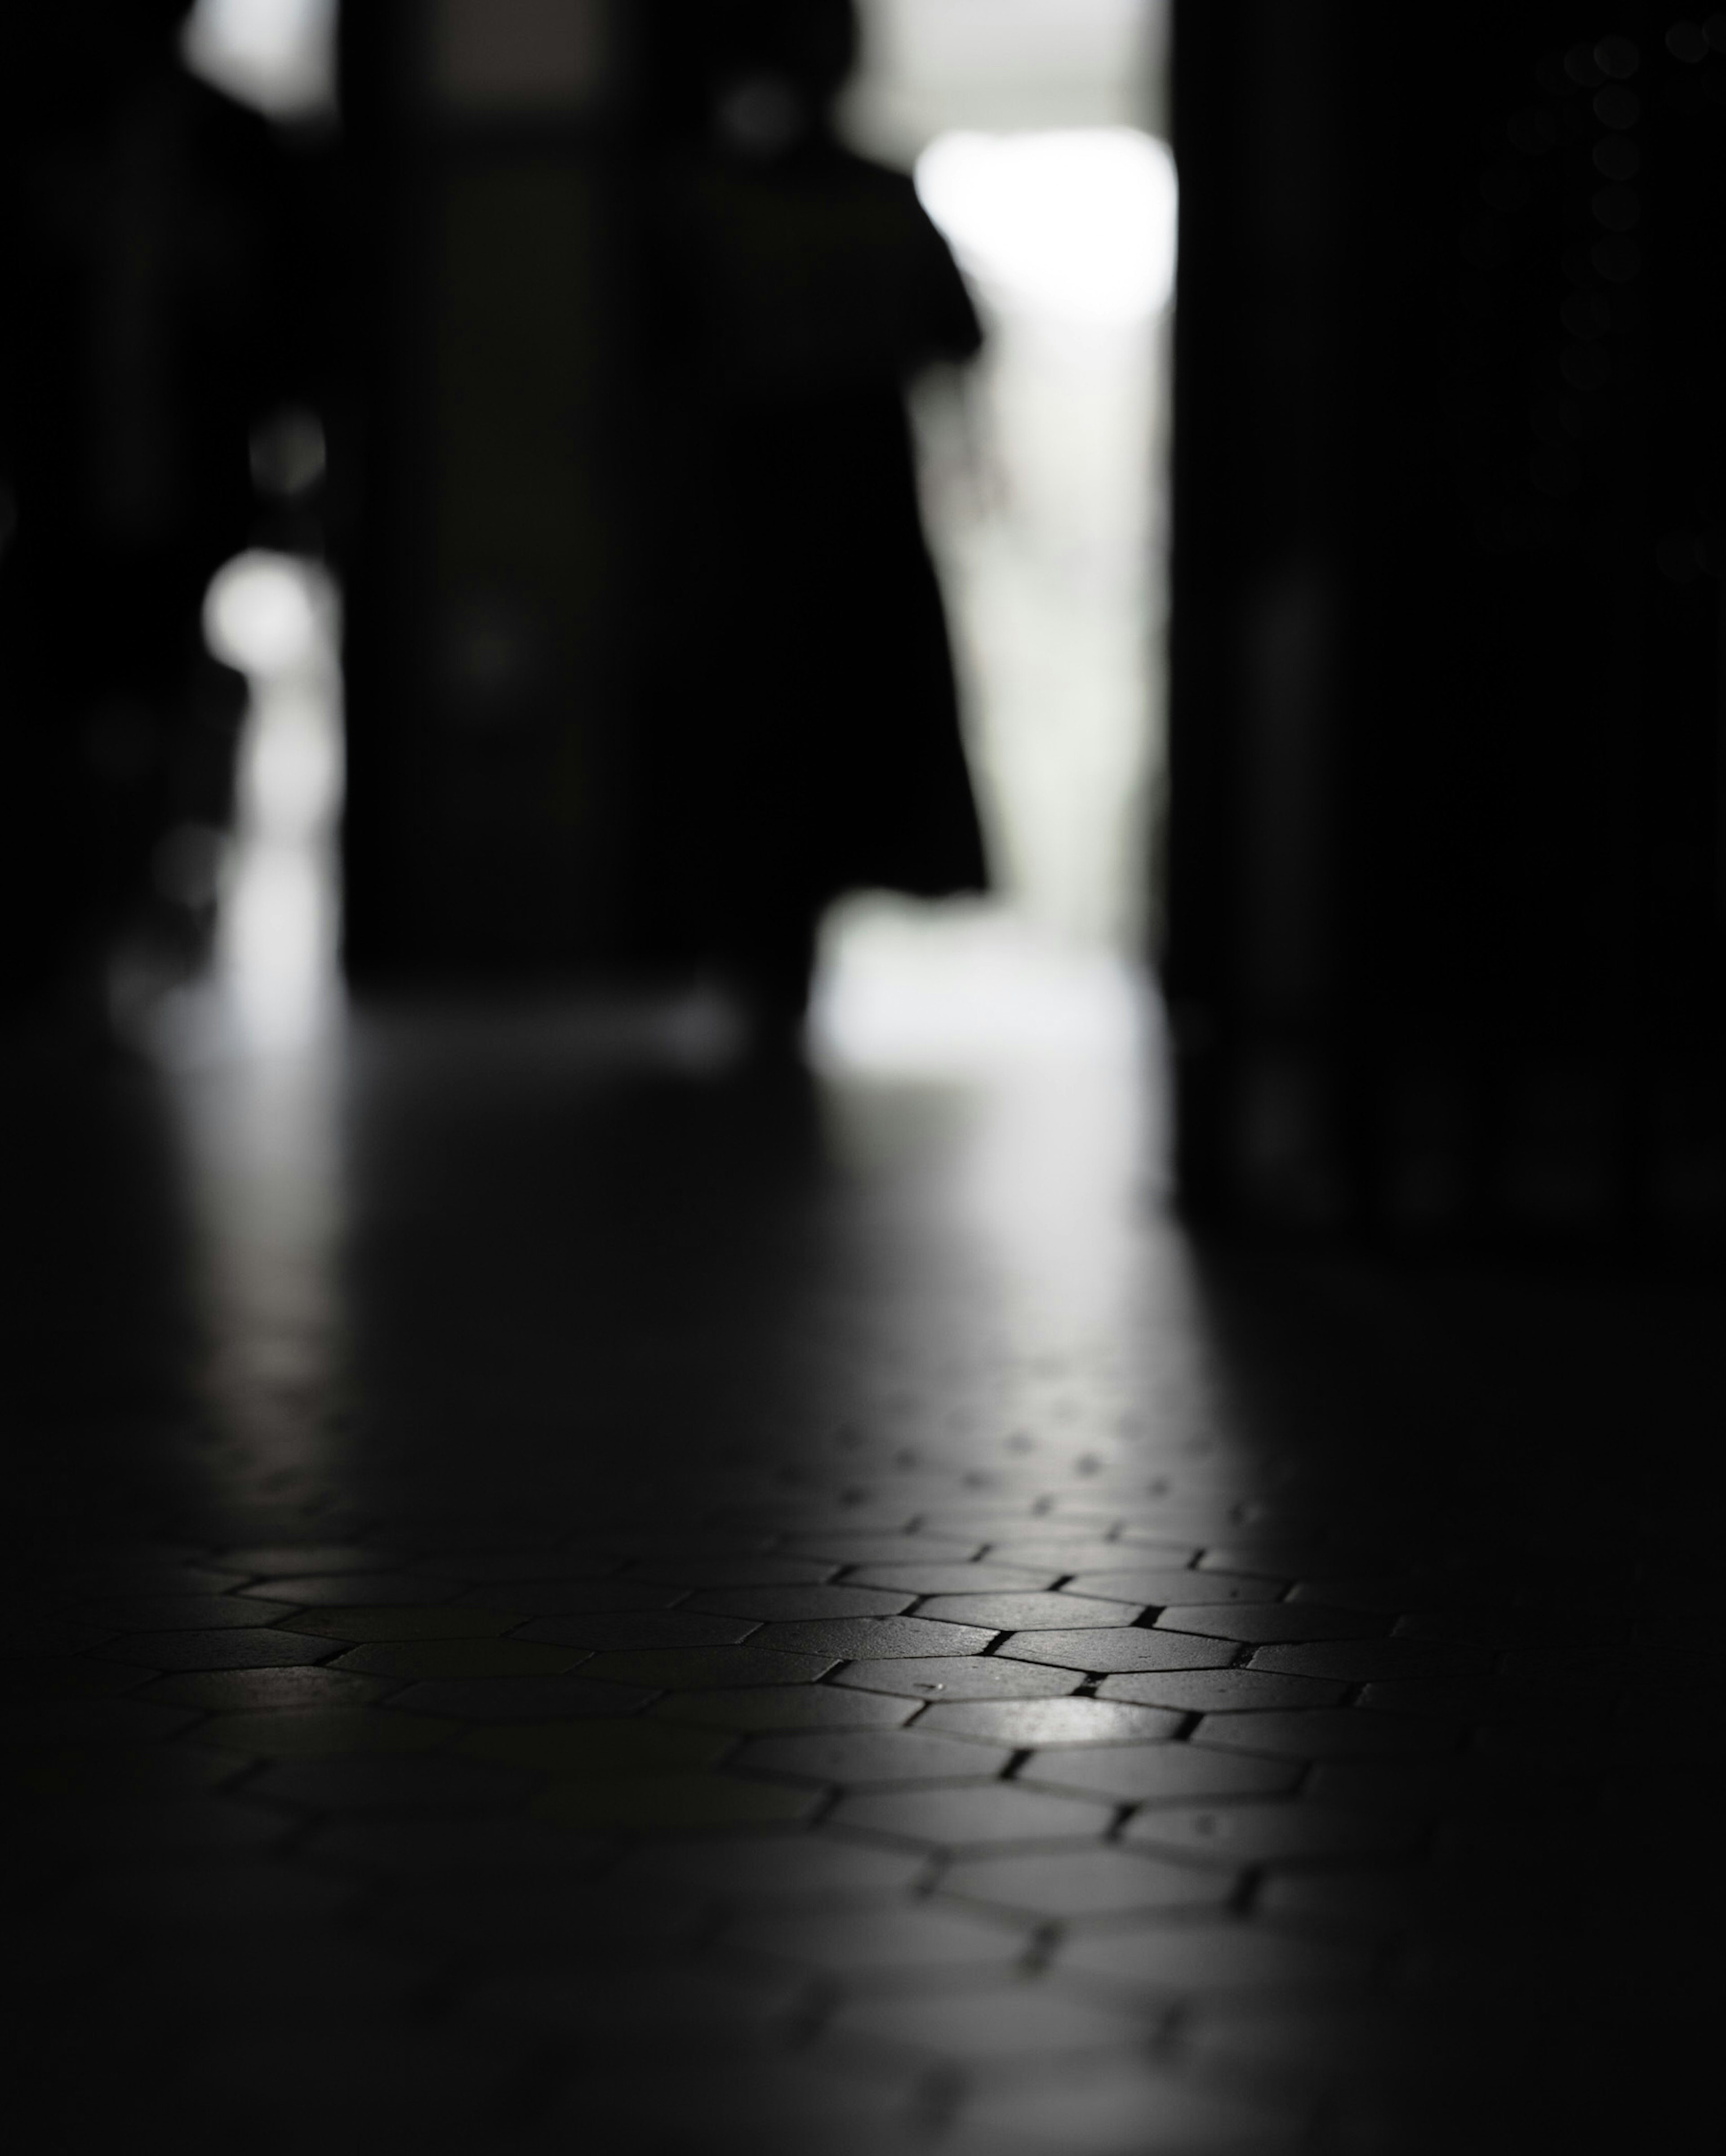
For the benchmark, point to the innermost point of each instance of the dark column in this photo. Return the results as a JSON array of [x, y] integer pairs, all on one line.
[[480, 556], [1445, 921]]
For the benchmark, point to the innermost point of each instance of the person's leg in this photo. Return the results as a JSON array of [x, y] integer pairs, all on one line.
[[774, 963]]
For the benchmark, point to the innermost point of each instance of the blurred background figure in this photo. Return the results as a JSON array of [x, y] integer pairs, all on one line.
[[799, 733], [156, 387]]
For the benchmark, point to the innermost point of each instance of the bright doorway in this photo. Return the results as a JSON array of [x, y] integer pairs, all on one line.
[[1034, 127]]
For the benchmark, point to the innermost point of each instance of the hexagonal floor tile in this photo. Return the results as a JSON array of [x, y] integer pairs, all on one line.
[[976, 1814], [858, 1758], [1085, 1883]]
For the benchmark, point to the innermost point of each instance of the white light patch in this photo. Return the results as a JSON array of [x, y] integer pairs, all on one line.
[[261, 616], [276, 54], [291, 780], [964, 987], [1078, 224], [275, 618]]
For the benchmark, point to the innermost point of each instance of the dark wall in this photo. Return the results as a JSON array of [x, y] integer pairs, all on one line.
[[1446, 873]]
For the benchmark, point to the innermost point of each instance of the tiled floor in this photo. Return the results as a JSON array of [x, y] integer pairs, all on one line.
[[562, 1605]]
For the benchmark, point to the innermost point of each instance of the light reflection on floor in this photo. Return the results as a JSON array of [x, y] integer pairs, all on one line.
[[983, 1079]]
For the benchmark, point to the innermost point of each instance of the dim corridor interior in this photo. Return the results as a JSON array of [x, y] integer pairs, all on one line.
[[566, 1597]]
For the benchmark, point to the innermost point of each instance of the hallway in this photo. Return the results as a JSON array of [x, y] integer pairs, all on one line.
[[566, 1598]]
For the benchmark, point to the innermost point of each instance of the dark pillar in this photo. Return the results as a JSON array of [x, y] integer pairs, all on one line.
[[1446, 938], [480, 557]]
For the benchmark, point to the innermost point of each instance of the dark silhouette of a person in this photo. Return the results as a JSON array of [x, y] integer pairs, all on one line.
[[798, 730], [154, 245]]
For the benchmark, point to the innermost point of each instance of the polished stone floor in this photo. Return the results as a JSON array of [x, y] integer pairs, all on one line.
[[563, 1600]]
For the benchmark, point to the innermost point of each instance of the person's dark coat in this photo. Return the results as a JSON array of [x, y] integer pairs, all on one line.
[[799, 731]]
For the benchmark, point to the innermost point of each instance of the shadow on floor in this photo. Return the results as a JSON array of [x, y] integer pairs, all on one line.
[[565, 1599]]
